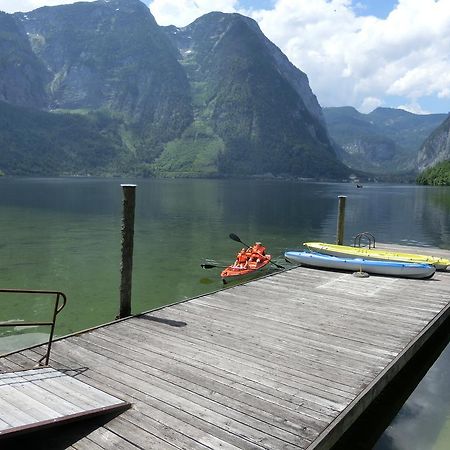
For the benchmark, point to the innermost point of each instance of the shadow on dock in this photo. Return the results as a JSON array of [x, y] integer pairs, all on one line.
[[58, 438], [172, 323]]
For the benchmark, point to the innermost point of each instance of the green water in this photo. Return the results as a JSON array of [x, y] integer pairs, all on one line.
[[64, 234]]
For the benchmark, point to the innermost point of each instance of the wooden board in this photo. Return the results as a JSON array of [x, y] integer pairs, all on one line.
[[43, 397], [285, 362]]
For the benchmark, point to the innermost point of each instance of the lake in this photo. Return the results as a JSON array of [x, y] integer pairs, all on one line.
[[64, 234]]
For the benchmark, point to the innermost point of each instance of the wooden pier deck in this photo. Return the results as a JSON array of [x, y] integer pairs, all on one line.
[[288, 361]]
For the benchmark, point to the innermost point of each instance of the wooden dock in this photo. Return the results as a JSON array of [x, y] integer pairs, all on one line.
[[288, 361]]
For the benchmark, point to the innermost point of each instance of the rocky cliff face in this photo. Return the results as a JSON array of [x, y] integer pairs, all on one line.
[[386, 141], [214, 98], [436, 148], [256, 103], [23, 76], [110, 55]]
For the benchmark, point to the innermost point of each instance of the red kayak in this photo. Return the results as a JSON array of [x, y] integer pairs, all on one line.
[[248, 261]]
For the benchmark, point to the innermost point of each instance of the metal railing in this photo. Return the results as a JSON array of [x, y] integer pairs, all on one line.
[[365, 235], [56, 310]]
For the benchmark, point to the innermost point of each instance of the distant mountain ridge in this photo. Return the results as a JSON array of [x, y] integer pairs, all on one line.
[[215, 98], [385, 141], [436, 147]]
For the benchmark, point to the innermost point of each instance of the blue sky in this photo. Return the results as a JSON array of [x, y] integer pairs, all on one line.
[[377, 8], [362, 53]]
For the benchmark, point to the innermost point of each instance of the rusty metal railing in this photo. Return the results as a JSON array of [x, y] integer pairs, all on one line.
[[56, 310]]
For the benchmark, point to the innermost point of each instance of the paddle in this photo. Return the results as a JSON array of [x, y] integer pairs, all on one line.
[[237, 239], [211, 266]]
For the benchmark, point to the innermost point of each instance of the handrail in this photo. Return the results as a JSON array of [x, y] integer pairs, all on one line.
[[365, 234], [56, 310]]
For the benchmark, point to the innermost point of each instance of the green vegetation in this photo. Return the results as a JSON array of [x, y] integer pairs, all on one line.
[[195, 153], [384, 142], [40, 143], [438, 175]]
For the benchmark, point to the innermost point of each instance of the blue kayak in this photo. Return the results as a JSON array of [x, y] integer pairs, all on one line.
[[390, 268]]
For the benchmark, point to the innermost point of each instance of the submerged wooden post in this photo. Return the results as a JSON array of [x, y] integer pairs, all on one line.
[[340, 220], [126, 267]]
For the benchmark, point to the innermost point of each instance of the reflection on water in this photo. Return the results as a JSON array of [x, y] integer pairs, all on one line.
[[20, 339], [64, 234], [423, 422]]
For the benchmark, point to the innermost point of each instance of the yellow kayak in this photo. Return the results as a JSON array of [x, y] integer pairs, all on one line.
[[376, 254]]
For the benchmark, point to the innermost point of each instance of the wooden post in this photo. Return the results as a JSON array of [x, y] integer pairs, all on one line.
[[126, 268], [341, 220]]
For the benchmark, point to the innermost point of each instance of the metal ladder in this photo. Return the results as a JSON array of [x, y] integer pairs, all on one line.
[[365, 235], [58, 296]]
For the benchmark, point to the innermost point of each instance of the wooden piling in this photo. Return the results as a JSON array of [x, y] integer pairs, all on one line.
[[126, 268], [340, 220]]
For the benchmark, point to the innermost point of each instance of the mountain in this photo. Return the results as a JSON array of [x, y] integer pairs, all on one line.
[[214, 98], [23, 75], [385, 141], [436, 147], [112, 55], [434, 157], [251, 101]]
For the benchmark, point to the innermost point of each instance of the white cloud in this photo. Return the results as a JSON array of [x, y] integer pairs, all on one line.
[[370, 103], [11, 6], [413, 107], [352, 60], [183, 12]]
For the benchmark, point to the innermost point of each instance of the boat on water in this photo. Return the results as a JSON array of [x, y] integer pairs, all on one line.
[[376, 254], [248, 261], [390, 268]]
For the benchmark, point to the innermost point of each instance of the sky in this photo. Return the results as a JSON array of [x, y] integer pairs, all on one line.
[[361, 53]]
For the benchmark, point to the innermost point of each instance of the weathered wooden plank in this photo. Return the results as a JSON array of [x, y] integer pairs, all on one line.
[[161, 410], [312, 332], [16, 416], [281, 315], [8, 366], [353, 305], [213, 332], [27, 403], [273, 397], [219, 392], [144, 420], [373, 289], [103, 439], [60, 405], [25, 363], [154, 355], [29, 400], [4, 424], [88, 444], [294, 335], [20, 374], [295, 357], [61, 390], [196, 404], [288, 361], [139, 436], [256, 374], [260, 368]]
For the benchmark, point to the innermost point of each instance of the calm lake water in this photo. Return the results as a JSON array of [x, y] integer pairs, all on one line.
[[64, 234]]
